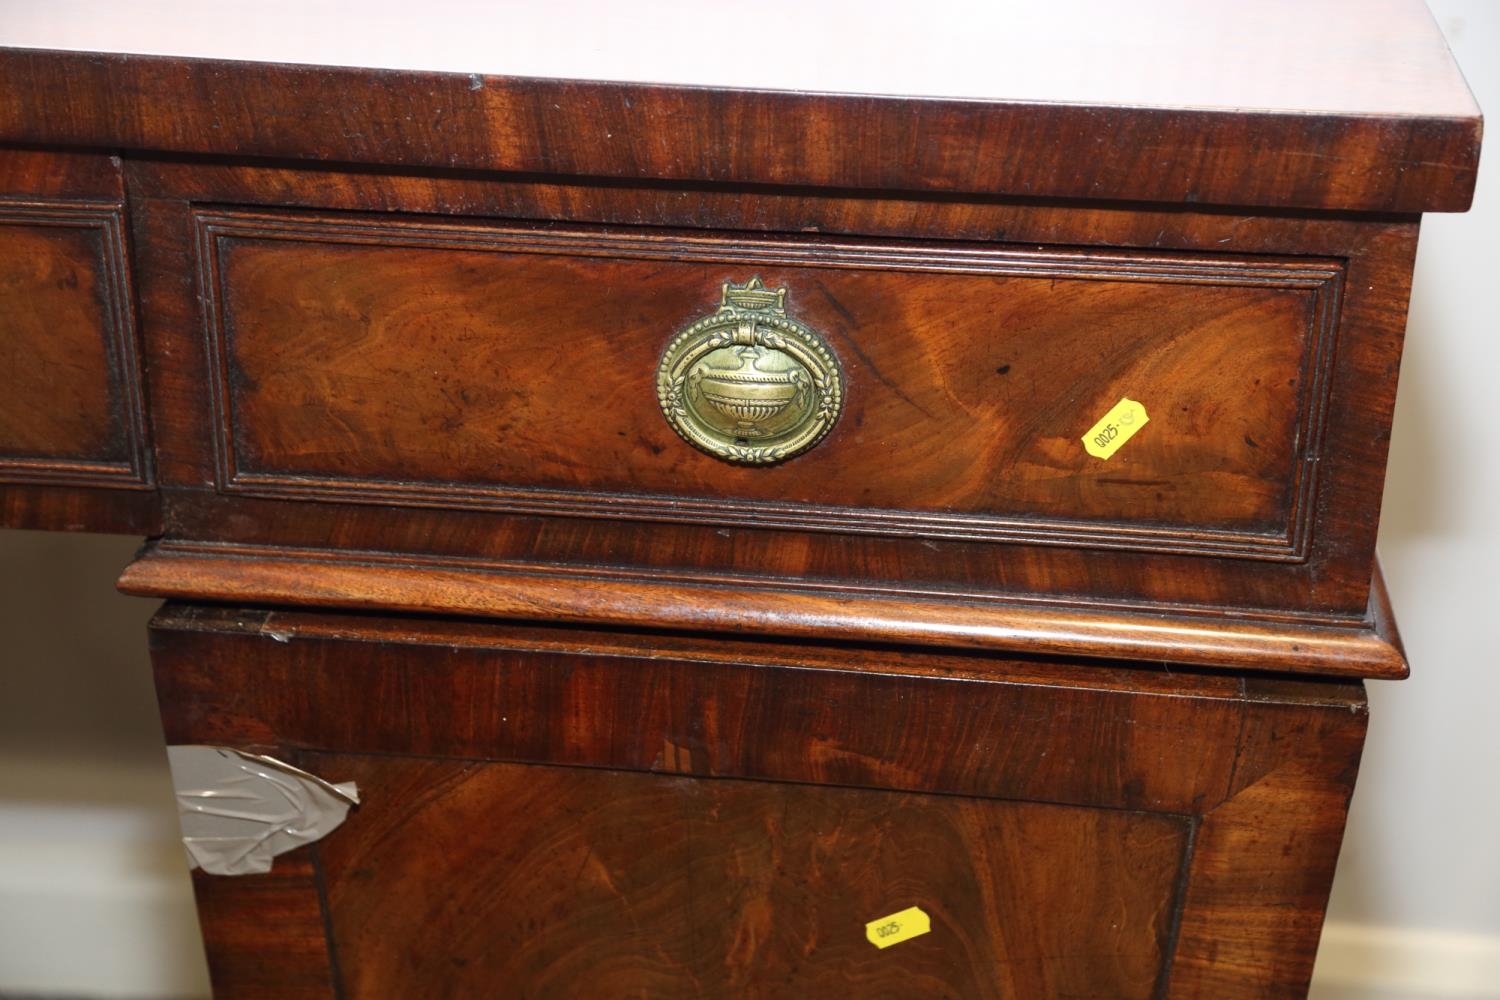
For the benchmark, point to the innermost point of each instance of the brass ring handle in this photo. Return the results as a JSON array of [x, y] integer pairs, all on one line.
[[748, 383]]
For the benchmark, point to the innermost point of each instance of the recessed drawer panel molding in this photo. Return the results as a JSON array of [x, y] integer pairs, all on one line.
[[71, 411], [412, 362]]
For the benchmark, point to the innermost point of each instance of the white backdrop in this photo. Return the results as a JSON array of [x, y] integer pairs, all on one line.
[[93, 902], [1423, 850]]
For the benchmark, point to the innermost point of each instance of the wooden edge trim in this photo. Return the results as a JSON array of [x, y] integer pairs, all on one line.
[[118, 510], [1354, 162], [239, 916], [1262, 861], [1384, 619], [332, 580], [1150, 679], [231, 674]]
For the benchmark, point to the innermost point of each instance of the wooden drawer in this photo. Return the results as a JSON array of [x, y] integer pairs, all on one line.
[[444, 398], [515, 369], [584, 814], [72, 418]]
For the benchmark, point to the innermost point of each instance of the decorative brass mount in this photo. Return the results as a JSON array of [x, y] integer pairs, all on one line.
[[748, 383]]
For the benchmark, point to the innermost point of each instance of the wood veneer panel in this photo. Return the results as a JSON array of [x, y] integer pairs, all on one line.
[[74, 448], [65, 508], [1247, 780], [758, 208], [1263, 861], [453, 878], [972, 725], [264, 934], [53, 323], [70, 409], [52, 173], [515, 369]]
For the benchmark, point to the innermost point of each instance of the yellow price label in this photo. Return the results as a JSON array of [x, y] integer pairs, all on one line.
[[909, 923], [1116, 427]]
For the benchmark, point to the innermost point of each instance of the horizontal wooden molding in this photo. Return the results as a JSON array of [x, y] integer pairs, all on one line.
[[1283, 159], [599, 596]]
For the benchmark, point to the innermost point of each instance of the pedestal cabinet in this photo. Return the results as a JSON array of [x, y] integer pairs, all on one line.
[[713, 506]]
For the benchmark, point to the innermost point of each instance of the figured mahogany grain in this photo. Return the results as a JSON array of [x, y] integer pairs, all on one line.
[[52, 173], [1370, 160], [396, 361], [74, 450], [1262, 869], [73, 508], [1104, 830], [263, 935], [456, 877], [62, 395], [957, 724], [1206, 808], [1331, 585]]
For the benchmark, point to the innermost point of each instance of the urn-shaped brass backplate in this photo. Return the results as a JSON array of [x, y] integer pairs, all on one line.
[[748, 383]]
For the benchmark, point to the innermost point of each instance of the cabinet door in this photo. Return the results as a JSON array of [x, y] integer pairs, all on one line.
[[74, 450], [456, 876], [552, 815]]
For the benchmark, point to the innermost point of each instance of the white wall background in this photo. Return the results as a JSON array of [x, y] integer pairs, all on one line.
[[94, 901], [94, 892], [1423, 851]]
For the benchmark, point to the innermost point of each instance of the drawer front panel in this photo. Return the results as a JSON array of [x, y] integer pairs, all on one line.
[[454, 877], [70, 407], [513, 369]]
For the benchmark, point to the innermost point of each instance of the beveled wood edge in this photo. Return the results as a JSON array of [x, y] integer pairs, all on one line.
[[70, 472], [369, 581], [1380, 163], [1383, 617]]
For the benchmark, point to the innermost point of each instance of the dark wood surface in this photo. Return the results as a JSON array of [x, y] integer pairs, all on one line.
[[68, 414], [1315, 567], [74, 449], [743, 713], [1257, 498], [264, 937], [369, 360], [570, 881], [1107, 831], [750, 606], [1368, 148], [1262, 868]]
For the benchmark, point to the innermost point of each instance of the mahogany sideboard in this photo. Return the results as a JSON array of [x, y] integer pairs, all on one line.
[[716, 489]]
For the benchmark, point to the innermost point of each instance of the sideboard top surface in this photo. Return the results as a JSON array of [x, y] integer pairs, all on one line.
[[1336, 56], [1329, 104]]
